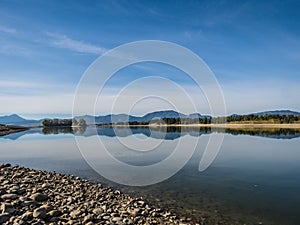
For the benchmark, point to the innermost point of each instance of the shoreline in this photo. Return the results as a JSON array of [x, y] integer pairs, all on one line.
[[7, 129], [227, 125], [29, 196]]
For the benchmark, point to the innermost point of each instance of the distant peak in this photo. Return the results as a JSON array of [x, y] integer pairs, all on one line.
[[15, 115]]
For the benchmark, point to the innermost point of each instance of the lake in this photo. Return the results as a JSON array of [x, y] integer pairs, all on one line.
[[254, 178]]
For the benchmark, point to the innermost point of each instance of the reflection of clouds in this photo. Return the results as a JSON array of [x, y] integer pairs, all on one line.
[[124, 154], [37, 147], [261, 154]]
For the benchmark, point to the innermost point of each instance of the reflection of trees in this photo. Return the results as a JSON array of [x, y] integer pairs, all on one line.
[[263, 132], [179, 129], [170, 131], [170, 121], [57, 130], [64, 130], [79, 130]]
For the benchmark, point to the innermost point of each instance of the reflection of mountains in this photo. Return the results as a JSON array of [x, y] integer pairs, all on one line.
[[16, 136], [47, 131], [168, 133]]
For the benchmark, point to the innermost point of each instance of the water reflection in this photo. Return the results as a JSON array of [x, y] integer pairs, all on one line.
[[64, 130], [252, 180], [278, 133], [167, 133]]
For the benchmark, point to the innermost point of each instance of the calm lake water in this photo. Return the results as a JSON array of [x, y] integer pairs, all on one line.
[[254, 178]]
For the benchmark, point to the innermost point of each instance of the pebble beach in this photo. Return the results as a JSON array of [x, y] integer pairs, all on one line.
[[29, 196]]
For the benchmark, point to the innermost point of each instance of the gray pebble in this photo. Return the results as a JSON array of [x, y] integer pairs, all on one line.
[[40, 213], [75, 213], [27, 216], [4, 217], [97, 211], [7, 208], [39, 197], [9, 196], [54, 213]]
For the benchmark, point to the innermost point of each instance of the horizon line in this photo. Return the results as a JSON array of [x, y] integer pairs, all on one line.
[[69, 115]]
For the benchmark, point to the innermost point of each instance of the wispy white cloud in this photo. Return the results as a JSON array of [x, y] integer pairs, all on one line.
[[19, 84], [19, 88], [8, 30], [63, 41], [246, 97], [142, 98], [14, 49], [48, 103]]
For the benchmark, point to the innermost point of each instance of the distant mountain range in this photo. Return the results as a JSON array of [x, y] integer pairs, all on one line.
[[114, 118], [15, 119], [279, 112]]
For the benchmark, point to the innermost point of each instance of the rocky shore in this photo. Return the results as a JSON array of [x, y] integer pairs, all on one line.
[[29, 196], [5, 129]]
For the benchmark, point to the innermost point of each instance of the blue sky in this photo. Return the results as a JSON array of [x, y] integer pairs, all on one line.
[[253, 48]]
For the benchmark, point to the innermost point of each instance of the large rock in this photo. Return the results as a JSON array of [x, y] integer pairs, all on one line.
[[7, 208], [27, 216], [74, 214], [54, 213], [97, 211], [4, 217], [39, 197], [5, 165], [9, 196], [40, 213]]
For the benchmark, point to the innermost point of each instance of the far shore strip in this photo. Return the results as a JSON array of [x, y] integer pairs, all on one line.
[[227, 125]]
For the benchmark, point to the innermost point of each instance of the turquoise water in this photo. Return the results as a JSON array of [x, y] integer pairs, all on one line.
[[254, 177]]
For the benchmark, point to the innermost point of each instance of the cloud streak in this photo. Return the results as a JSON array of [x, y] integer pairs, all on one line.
[[14, 49], [19, 88], [37, 104], [239, 97], [63, 41], [8, 30]]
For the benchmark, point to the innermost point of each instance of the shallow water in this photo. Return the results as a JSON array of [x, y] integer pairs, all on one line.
[[254, 177]]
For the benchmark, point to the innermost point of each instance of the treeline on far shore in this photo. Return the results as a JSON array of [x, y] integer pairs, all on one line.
[[63, 123], [252, 118], [267, 118]]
